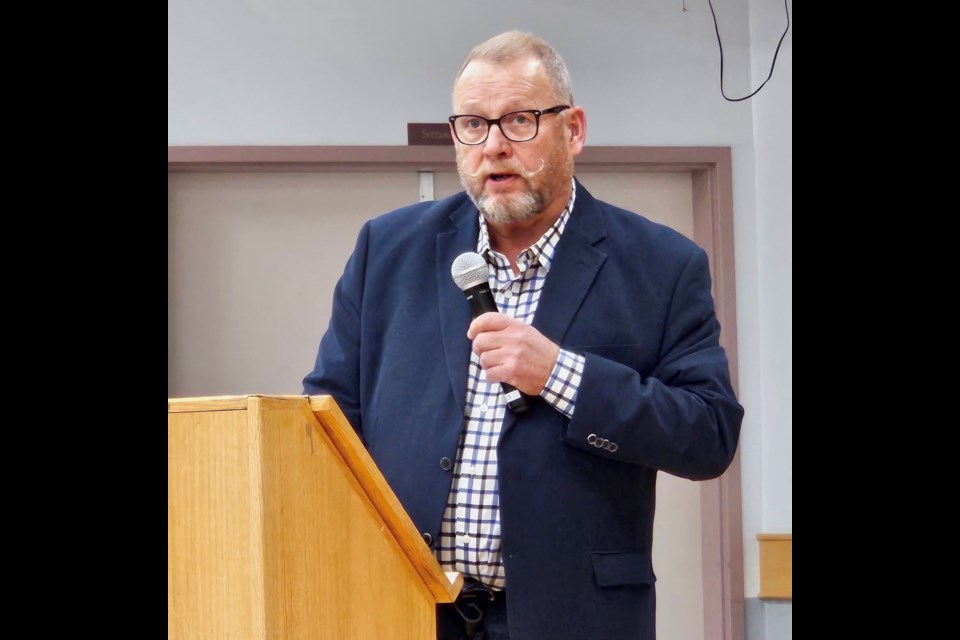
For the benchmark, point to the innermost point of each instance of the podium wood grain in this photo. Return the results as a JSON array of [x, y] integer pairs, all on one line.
[[278, 530]]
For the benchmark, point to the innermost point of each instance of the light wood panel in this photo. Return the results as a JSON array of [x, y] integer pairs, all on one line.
[[213, 519], [776, 566]]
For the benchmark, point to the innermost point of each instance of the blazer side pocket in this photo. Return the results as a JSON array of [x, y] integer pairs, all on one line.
[[619, 568]]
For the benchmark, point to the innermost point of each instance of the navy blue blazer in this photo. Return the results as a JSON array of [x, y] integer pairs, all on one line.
[[631, 295]]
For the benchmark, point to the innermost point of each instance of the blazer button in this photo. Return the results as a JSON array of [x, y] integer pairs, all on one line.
[[428, 539], [446, 464]]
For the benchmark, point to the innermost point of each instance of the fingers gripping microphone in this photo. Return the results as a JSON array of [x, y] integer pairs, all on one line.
[[469, 271]]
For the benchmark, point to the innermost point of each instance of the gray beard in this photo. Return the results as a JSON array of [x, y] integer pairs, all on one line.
[[516, 209]]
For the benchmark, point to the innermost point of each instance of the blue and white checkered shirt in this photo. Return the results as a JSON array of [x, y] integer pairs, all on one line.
[[470, 529]]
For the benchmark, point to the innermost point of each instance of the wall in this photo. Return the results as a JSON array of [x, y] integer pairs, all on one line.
[[317, 72], [768, 478]]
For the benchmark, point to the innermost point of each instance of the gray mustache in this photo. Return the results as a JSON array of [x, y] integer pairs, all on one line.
[[515, 167]]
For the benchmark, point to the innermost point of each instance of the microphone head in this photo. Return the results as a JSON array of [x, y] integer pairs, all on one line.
[[469, 270]]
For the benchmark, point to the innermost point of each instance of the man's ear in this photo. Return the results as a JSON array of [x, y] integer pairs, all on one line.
[[577, 126]]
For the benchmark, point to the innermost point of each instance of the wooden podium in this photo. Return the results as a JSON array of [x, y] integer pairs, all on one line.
[[280, 526]]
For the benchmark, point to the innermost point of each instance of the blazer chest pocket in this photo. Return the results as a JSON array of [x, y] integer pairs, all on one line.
[[620, 568]]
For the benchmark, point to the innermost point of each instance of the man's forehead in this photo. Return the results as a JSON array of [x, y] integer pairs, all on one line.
[[527, 68], [483, 80]]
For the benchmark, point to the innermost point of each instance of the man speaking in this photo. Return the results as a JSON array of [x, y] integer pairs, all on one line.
[[604, 329]]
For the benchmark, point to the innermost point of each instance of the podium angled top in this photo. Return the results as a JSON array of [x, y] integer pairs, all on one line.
[[219, 403]]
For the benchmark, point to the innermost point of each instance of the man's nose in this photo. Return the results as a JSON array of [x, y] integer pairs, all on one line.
[[496, 143]]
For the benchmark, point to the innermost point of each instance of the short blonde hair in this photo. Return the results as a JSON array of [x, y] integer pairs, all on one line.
[[514, 45]]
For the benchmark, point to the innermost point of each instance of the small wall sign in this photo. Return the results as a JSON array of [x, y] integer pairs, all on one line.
[[419, 133]]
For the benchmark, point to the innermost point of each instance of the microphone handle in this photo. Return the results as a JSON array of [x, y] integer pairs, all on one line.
[[481, 301]]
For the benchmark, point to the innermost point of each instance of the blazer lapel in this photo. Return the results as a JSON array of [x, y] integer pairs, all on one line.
[[574, 268], [453, 306]]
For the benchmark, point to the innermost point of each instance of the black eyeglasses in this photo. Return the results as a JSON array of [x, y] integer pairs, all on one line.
[[516, 126]]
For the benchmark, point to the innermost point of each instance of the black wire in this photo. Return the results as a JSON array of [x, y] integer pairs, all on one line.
[[772, 64]]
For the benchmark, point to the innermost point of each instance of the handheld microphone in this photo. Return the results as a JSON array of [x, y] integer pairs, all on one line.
[[469, 272]]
